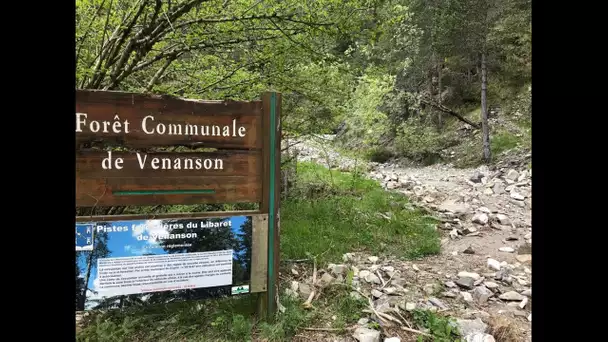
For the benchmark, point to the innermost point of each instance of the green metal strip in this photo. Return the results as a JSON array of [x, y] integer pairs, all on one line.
[[163, 192], [271, 205]]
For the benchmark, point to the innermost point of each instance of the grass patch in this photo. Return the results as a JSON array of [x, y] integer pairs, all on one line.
[[358, 216], [327, 214], [503, 141], [212, 320]]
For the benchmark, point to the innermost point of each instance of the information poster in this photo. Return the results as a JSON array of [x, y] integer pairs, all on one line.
[[122, 263]]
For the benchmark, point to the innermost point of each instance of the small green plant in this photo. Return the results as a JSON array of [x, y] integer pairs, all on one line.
[[349, 278], [286, 323], [441, 328]]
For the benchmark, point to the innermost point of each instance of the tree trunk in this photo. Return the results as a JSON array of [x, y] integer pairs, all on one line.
[[83, 296], [485, 128], [431, 76], [439, 91]]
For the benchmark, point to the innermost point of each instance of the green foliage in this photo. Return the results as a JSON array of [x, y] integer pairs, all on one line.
[[379, 154], [363, 63], [364, 120], [419, 143], [443, 329]]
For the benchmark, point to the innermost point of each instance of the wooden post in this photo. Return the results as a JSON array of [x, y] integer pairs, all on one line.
[[271, 197]]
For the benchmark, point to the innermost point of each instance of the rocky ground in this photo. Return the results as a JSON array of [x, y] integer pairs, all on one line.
[[483, 274]]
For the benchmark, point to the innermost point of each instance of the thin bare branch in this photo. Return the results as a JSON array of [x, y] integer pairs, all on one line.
[[86, 32], [199, 46], [159, 73]]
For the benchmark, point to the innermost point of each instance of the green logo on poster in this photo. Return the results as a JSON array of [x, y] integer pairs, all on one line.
[[240, 289]]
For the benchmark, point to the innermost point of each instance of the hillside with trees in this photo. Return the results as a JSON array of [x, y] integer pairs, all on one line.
[[398, 84]]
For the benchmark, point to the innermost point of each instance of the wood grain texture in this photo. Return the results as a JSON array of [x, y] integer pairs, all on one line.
[[267, 303], [165, 216], [105, 105], [234, 163], [259, 253], [227, 189]]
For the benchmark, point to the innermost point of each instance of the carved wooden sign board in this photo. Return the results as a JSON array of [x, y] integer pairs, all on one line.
[[148, 150]]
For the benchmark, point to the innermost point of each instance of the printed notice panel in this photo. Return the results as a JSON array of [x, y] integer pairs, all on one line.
[[143, 262]]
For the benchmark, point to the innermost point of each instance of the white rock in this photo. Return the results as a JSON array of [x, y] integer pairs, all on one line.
[[450, 284], [494, 264], [289, 293], [347, 257], [466, 296], [364, 273], [410, 306], [512, 175], [481, 218], [503, 219], [415, 268], [512, 296], [470, 326], [506, 249], [484, 210], [463, 274], [390, 290], [373, 259], [366, 335], [376, 293], [338, 269], [514, 195], [388, 268], [522, 176], [523, 303], [498, 188], [392, 339], [363, 321], [490, 285], [372, 278], [479, 337]]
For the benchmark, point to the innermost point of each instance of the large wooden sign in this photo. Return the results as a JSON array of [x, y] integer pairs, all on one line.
[[147, 150]]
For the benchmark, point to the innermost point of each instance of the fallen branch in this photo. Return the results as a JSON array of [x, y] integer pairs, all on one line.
[[380, 276], [296, 260], [308, 303], [388, 281], [403, 318], [382, 315], [416, 331], [329, 329], [447, 110], [314, 272]]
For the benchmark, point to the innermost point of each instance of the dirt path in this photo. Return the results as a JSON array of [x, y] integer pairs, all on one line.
[[484, 269]]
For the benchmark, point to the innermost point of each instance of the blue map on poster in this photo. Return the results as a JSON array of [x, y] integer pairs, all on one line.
[[84, 237]]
